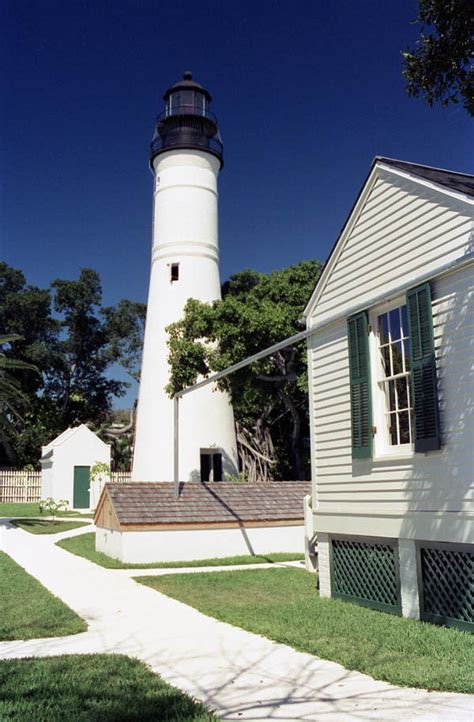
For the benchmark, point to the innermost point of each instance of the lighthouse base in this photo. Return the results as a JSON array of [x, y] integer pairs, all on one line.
[[206, 438]]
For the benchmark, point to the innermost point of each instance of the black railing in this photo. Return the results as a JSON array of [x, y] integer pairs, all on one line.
[[187, 130], [186, 140]]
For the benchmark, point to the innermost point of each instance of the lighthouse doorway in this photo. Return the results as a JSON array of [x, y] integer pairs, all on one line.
[[211, 465]]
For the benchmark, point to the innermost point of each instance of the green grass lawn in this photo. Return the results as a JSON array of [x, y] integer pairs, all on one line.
[[89, 688], [283, 605], [32, 509], [84, 546], [30, 611], [45, 526]]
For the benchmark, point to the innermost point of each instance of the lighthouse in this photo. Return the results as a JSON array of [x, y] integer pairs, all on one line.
[[186, 158]]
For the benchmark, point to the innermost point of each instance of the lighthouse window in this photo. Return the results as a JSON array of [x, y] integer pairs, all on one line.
[[211, 465], [187, 101], [200, 103], [174, 275], [174, 101]]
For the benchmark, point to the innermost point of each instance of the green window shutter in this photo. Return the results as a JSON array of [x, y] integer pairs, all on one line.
[[359, 369], [423, 370]]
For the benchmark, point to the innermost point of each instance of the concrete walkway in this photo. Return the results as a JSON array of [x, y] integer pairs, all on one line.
[[238, 674]]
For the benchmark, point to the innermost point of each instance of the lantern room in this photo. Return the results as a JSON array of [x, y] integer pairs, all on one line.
[[187, 122]]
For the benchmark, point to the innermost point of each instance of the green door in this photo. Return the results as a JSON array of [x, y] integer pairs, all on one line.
[[81, 487]]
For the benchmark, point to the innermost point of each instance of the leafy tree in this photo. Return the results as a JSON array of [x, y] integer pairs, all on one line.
[[269, 397], [80, 383], [25, 311], [439, 67], [125, 327], [119, 431], [11, 394], [74, 342]]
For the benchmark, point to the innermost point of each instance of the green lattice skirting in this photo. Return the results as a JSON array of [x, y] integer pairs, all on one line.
[[447, 586], [366, 573]]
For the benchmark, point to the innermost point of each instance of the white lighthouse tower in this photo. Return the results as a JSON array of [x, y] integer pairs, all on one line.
[[186, 157]]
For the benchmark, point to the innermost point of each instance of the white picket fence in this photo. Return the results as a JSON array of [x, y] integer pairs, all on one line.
[[19, 486], [120, 477]]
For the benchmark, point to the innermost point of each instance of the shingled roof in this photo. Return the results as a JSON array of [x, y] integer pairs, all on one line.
[[154, 504], [460, 182]]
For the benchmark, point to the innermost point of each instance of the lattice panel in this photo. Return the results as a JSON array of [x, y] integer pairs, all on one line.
[[366, 573], [448, 584]]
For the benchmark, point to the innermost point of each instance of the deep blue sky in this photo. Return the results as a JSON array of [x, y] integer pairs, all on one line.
[[306, 93]]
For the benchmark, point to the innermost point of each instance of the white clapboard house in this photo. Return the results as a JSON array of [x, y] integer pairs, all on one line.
[[391, 398]]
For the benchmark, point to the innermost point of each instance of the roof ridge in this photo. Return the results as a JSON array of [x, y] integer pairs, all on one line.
[[383, 158]]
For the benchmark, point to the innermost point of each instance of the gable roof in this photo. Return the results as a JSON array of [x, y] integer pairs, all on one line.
[[445, 180], [154, 503], [66, 435], [59, 439], [460, 182]]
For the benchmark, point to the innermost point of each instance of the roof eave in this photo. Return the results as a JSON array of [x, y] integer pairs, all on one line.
[[353, 214]]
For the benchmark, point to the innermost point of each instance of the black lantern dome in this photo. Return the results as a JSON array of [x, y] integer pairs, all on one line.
[[187, 121]]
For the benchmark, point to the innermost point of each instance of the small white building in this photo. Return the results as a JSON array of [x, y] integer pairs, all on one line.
[[391, 398], [66, 463]]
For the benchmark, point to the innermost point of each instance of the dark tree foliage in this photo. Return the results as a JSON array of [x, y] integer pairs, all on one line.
[[73, 341], [439, 68], [11, 393], [270, 397]]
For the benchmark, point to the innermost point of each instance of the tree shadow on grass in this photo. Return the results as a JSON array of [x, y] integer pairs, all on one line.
[[25, 523], [109, 688]]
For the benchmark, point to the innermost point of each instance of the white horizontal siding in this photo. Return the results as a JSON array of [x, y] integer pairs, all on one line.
[[403, 230], [438, 481]]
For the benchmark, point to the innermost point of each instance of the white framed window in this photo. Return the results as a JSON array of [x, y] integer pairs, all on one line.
[[390, 367]]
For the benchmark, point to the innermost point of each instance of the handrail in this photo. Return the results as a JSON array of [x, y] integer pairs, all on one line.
[[186, 140]]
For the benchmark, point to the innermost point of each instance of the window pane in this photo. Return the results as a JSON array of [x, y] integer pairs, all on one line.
[[404, 321], [199, 101], [406, 351], [394, 324], [394, 347], [187, 101], [404, 427], [392, 430], [383, 328], [175, 100], [385, 351], [402, 393], [397, 364], [391, 396]]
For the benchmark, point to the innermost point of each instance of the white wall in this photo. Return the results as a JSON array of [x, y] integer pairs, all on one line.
[[418, 496], [185, 232], [109, 542], [46, 478], [139, 547], [81, 448]]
